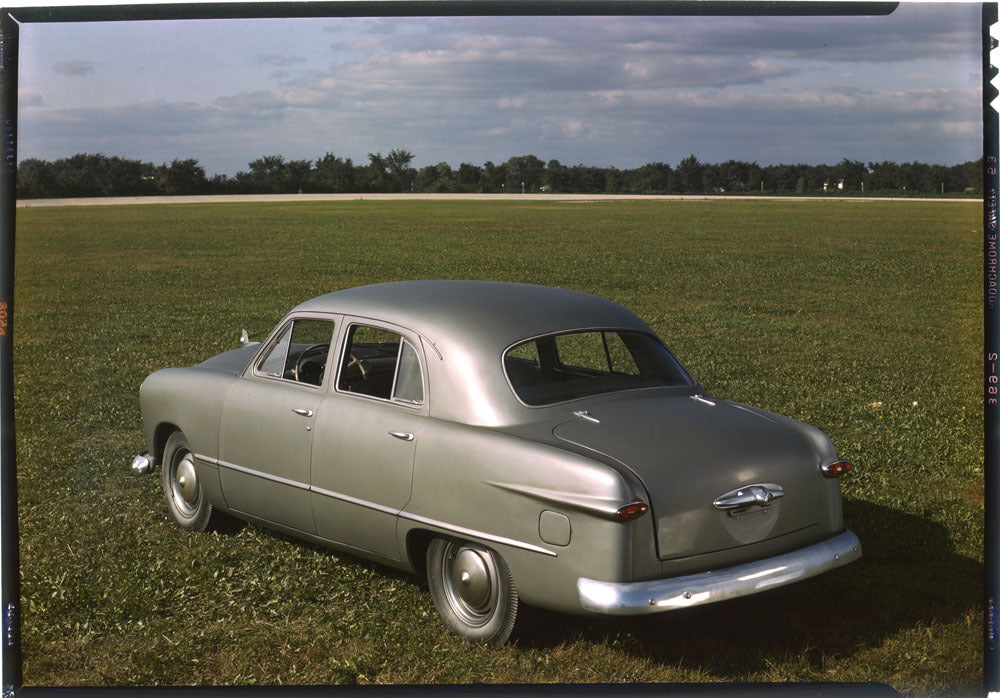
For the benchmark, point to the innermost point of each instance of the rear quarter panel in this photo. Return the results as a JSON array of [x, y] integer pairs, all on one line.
[[486, 481]]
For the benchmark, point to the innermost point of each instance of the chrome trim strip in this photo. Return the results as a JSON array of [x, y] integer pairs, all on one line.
[[584, 414], [470, 533], [601, 506], [256, 473], [354, 500], [654, 596], [744, 497]]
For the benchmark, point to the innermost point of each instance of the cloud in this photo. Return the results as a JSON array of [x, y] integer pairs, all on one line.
[[608, 90], [278, 61], [73, 68]]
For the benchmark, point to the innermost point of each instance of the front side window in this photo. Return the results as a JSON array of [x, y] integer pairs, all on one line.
[[382, 364], [573, 365], [299, 353]]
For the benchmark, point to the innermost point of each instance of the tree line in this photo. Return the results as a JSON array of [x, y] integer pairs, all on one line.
[[86, 174]]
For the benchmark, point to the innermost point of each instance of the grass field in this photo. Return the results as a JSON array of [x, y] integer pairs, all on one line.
[[862, 318]]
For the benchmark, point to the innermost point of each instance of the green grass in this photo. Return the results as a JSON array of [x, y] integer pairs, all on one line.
[[862, 318]]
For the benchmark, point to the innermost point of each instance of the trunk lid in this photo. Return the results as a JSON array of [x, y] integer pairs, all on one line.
[[689, 453]]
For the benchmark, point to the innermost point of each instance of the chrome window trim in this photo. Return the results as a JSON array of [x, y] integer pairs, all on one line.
[[270, 346], [461, 530], [399, 359], [272, 340], [387, 327]]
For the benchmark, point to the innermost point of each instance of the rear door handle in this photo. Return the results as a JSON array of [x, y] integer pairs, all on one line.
[[301, 412], [404, 435]]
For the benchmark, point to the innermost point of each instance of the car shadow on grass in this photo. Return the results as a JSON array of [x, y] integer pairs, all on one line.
[[908, 577]]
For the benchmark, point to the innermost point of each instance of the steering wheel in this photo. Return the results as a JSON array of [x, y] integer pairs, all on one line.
[[355, 361], [308, 369]]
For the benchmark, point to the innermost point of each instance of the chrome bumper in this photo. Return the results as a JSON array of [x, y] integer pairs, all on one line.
[[654, 596], [142, 464]]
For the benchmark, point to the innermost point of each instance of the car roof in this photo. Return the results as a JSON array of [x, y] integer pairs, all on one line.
[[492, 314], [469, 324]]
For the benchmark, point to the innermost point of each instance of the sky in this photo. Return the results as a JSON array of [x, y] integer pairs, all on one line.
[[602, 91]]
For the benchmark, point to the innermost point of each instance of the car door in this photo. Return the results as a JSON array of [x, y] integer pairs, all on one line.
[[366, 434], [267, 425]]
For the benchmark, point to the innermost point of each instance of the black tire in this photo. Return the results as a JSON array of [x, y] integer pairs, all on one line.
[[472, 590], [186, 500]]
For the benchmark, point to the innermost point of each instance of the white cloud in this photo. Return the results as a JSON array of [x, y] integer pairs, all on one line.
[[278, 61], [512, 102]]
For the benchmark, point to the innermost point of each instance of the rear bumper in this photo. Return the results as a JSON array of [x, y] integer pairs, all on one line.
[[654, 596]]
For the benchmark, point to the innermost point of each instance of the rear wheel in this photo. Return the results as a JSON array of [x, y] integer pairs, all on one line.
[[186, 500], [472, 590]]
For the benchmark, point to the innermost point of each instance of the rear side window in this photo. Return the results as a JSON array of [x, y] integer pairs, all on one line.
[[573, 365], [382, 364]]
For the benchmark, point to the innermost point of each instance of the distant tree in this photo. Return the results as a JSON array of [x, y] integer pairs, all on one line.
[[556, 177], [401, 175], [88, 174], [494, 177], [221, 184], [267, 175], [470, 177], [332, 175], [376, 174], [850, 172], [36, 179], [612, 180], [181, 177], [437, 178], [526, 171], [390, 173], [689, 175], [652, 178], [296, 176], [973, 176]]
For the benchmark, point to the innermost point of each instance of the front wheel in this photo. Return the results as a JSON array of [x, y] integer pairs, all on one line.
[[472, 590], [186, 501]]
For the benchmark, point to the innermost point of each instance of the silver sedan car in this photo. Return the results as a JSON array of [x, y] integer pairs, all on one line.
[[511, 442]]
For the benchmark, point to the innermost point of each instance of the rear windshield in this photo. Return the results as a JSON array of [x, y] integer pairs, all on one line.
[[568, 366]]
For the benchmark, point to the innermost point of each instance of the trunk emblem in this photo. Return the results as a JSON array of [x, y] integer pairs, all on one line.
[[751, 495]]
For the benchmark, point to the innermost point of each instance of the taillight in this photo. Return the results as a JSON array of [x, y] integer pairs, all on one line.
[[632, 510], [836, 469]]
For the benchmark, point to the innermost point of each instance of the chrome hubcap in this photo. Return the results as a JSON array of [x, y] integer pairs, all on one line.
[[187, 480], [471, 579], [185, 485]]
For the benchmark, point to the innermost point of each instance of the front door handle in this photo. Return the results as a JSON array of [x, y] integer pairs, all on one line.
[[301, 412], [404, 435]]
